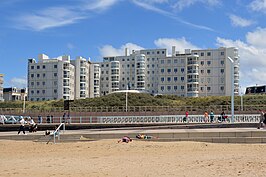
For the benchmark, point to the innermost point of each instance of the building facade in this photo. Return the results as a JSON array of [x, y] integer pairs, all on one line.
[[194, 73], [58, 78], [1, 87], [14, 94]]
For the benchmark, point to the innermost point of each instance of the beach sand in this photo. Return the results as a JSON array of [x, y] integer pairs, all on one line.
[[138, 158]]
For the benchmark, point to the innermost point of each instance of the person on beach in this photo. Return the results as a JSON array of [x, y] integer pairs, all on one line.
[[32, 126], [125, 139], [262, 118], [142, 136], [22, 126]]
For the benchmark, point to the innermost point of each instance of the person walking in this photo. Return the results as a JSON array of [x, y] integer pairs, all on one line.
[[39, 119], [212, 116], [206, 116], [261, 124], [22, 126]]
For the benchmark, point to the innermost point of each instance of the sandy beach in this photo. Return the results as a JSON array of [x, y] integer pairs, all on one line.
[[138, 158]]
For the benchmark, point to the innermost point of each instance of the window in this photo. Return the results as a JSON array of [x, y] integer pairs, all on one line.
[[208, 71], [169, 79], [55, 91], [38, 91], [38, 75], [182, 87], [162, 70], [43, 91], [162, 88], [175, 87], [162, 79], [31, 67], [43, 75], [148, 53], [202, 54], [148, 66], [128, 65], [38, 67], [175, 70], [32, 83], [32, 75], [222, 53], [162, 61], [202, 62], [38, 83], [182, 70], [208, 53], [222, 62], [202, 71], [55, 83], [201, 89], [158, 52], [208, 62], [107, 65], [55, 74], [162, 52], [208, 88], [168, 61], [43, 83], [182, 79], [222, 71], [55, 66], [222, 88], [32, 92], [175, 79], [175, 60], [106, 72], [168, 70], [168, 88]]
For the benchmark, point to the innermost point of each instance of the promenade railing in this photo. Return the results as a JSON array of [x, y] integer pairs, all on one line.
[[172, 119]]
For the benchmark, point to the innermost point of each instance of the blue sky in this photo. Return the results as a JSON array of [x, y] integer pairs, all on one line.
[[97, 28]]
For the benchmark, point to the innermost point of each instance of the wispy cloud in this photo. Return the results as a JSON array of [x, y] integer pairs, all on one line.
[[49, 18], [241, 22], [99, 5], [151, 7], [60, 16], [181, 4], [258, 5]]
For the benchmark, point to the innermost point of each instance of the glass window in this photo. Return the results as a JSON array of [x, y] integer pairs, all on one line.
[[208, 71], [162, 70], [222, 71], [38, 67], [208, 53], [175, 79], [55, 74], [31, 67], [32, 75], [182, 78], [175, 70], [55, 66], [168, 61], [162, 88], [169, 79], [168, 70], [182, 70], [222, 53], [162, 61], [168, 88], [208, 62], [202, 62], [162, 79], [202, 54]]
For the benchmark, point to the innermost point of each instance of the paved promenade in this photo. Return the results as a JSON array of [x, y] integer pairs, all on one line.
[[220, 135]]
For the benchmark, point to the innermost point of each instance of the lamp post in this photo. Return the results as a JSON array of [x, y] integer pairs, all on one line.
[[126, 98], [232, 88]]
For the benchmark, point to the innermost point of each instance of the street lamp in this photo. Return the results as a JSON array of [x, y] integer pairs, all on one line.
[[232, 88], [126, 97]]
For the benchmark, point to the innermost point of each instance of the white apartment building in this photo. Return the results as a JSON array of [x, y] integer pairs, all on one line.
[[193, 73], [1, 87], [59, 78]]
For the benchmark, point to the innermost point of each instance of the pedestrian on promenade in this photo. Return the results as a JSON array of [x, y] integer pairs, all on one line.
[[212, 116], [206, 116], [262, 118], [187, 116], [64, 117], [22, 126], [39, 119]]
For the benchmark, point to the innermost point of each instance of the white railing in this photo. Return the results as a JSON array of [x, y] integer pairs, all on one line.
[[252, 118], [56, 133]]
